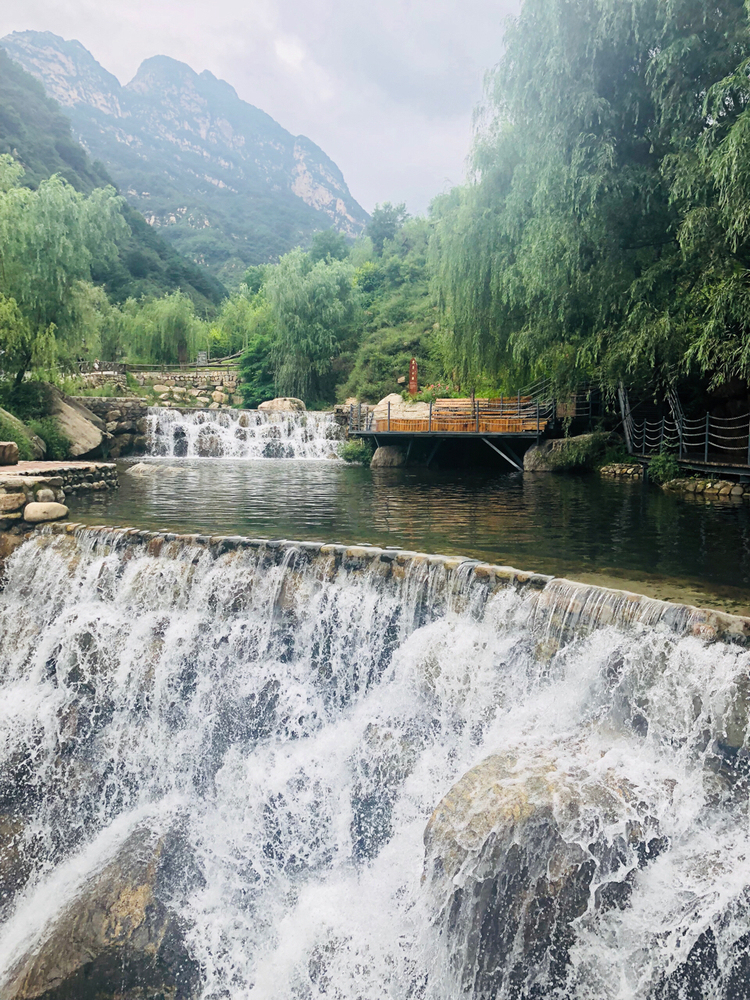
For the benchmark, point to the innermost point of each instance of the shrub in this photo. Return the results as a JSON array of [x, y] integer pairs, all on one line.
[[356, 450], [27, 400], [662, 468], [11, 432], [617, 454], [58, 444]]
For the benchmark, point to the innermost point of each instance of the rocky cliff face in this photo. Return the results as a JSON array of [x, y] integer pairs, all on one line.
[[228, 185]]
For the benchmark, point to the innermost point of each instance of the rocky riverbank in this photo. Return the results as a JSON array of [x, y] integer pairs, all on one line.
[[34, 493]]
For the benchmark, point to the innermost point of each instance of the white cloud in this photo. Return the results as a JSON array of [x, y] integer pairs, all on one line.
[[386, 89]]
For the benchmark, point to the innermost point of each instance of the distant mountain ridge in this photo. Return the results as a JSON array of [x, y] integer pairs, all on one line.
[[34, 130], [224, 182]]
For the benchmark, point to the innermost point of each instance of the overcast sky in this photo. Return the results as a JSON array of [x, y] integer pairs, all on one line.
[[387, 89]]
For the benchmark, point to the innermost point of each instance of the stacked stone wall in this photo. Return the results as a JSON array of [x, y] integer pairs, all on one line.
[[205, 389], [125, 420]]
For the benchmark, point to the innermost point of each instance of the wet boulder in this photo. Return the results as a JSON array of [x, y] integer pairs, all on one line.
[[118, 937], [514, 855], [36, 513], [703, 975]]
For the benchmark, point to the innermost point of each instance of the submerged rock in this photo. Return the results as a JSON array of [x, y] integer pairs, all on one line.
[[118, 938], [509, 875]]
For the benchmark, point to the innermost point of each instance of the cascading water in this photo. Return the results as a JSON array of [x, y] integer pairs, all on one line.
[[242, 434], [277, 722]]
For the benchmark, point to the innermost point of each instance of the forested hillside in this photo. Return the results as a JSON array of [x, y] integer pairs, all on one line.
[[222, 181], [34, 130]]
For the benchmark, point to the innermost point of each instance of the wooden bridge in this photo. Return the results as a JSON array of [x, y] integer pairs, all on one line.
[[507, 424]]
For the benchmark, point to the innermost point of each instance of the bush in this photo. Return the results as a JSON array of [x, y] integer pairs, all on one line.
[[662, 468], [617, 454], [10, 432], [58, 444], [356, 450], [28, 400]]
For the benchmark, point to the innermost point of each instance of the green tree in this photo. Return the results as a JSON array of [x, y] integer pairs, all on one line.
[[256, 363], [166, 330], [385, 222], [48, 241], [603, 234], [328, 245], [315, 309]]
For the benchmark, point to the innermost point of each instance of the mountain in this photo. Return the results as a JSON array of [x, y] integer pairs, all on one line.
[[219, 178], [34, 130]]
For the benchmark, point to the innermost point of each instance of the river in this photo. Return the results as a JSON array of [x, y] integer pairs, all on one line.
[[583, 527]]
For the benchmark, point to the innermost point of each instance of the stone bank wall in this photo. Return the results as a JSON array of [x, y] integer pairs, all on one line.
[[124, 418]]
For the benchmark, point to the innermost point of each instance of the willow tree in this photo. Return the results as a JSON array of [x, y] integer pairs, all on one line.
[[315, 309], [592, 240], [49, 239], [165, 330]]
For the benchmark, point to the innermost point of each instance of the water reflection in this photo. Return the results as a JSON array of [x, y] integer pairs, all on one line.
[[593, 530]]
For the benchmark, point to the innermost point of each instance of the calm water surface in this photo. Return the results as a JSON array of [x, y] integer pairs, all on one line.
[[583, 527]]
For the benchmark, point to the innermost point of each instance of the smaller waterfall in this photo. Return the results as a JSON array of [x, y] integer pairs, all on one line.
[[241, 434]]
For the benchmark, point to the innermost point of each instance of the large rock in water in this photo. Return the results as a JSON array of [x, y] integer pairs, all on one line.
[[508, 874], [283, 403], [388, 457], [566, 454], [117, 938], [83, 428]]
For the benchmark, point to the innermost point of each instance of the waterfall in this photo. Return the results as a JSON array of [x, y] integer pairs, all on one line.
[[363, 773], [241, 434]]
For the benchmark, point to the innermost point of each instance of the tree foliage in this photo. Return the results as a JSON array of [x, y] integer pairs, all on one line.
[[315, 308], [49, 239], [605, 231], [385, 222]]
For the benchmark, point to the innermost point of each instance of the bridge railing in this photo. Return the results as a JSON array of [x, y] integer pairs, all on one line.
[[503, 415]]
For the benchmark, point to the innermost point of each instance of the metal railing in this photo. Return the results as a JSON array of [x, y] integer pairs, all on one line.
[[723, 440]]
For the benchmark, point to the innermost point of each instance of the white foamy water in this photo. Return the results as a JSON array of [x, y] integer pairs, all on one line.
[[242, 434], [303, 720]]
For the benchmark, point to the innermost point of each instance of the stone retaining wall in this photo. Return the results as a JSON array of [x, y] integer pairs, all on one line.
[[621, 470], [29, 498], [202, 388], [709, 489], [125, 420], [75, 477]]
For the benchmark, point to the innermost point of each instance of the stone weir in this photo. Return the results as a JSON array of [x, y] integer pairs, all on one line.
[[558, 609]]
